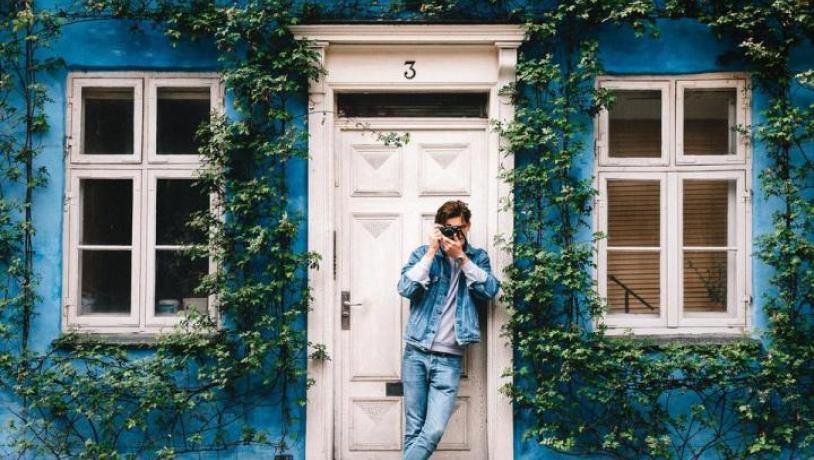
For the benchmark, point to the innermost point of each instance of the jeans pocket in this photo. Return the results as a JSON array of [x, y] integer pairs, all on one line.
[[455, 361]]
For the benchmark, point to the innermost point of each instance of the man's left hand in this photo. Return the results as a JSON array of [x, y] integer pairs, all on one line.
[[453, 247]]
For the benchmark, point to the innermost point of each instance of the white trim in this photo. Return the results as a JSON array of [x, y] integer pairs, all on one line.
[[73, 230], [633, 320], [735, 315], [149, 318], [321, 429], [741, 117], [447, 34], [603, 138], [77, 87], [674, 171], [215, 103]]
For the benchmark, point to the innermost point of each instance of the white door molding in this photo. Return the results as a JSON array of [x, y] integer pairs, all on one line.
[[359, 57]]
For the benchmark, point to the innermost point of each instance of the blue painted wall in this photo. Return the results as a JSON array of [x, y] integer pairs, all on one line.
[[684, 47]]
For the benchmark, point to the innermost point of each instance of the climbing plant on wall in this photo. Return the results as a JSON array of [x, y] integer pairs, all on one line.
[[586, 393], [580, 391], [201, 386]]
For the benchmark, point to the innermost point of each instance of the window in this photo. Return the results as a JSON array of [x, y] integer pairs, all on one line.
[[130, 190], [673, 182]]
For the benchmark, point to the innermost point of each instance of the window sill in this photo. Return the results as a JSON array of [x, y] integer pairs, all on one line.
[[135, 340], [694, 338]]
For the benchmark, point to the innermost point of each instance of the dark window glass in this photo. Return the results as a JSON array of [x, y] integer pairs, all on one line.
[[180, 112], [107, 211], [105, 282], [709, 121], [177, 276], [107, 125], [635, 124], [177, 200], [470, 105]]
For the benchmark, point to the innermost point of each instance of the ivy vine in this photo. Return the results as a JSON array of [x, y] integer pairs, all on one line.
[[586, 393], [581, 391]]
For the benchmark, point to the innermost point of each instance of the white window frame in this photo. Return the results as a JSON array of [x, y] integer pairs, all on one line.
[[144, 170], [603, 134], [152, 114], [74, 234], [741, 115], [150, 318], [672, 174], [633, 320], [735, 315], [75, 108]]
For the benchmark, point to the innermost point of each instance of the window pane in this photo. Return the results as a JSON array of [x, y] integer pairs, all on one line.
[[176, 280], [177, 200], [633, 282], [107, 211], [709, 121], [635, 124], [633, 213], [707, 277], [706, 211], [105, 282], [107, 125], [179, 114]]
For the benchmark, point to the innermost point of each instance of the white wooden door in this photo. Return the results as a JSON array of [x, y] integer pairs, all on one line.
[[387, 198]]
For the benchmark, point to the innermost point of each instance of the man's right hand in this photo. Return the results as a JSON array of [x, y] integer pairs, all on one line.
[[433, 241]]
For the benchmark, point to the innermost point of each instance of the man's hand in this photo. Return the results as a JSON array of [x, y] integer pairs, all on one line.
[[433, 241], [453, 247]]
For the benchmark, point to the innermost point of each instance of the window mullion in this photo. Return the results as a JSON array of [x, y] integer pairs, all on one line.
[[145, 219], [673, 242]]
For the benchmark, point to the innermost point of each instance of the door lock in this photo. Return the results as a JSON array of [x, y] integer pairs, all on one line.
[[346, 304]]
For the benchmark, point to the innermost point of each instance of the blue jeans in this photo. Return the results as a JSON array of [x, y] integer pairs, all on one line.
[[430, 384]]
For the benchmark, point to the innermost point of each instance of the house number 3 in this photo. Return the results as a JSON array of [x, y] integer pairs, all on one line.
[[410, 72]]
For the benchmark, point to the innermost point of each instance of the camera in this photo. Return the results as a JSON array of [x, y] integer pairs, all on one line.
[[451, 230]]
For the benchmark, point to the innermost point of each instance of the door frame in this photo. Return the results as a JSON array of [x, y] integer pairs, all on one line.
[[500, 42]]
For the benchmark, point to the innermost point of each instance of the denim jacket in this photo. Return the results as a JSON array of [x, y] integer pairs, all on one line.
[[426, 302]]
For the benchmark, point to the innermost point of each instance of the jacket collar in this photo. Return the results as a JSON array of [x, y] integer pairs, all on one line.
[[469, 249]]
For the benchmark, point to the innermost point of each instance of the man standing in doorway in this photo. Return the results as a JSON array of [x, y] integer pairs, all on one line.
[[443, 280]]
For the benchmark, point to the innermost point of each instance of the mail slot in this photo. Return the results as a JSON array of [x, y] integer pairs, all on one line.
[[393, 389]]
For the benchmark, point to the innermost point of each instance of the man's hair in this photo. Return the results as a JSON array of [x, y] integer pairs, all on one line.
[[452, 209]]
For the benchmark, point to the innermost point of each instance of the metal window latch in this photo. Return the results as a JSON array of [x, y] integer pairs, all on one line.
[[346, 304]]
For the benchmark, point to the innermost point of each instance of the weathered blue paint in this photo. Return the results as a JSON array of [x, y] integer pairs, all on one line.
[[684, 47]]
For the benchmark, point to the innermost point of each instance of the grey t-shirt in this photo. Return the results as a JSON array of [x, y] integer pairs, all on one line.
[[444, 339]]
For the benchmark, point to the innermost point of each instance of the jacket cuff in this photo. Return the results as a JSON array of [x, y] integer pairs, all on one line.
[[473, 273], [419, 272]]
